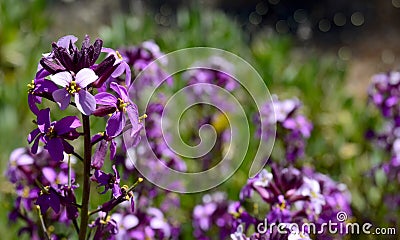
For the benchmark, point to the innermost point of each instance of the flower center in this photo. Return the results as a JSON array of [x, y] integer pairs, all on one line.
[[122, 105], [73, 87], [31, 86], [282, 206], [25, 192], [105, 221], [51, 133]]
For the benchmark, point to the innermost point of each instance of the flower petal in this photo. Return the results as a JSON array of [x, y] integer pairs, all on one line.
[[62, 78], [85, 77], [113, 149], [66, 124], [35, 146], [62, 97], [105, 98], [65, 41], [55, 148], [32, 135], [122, 92], [85, 102], [99, 155], [115, 124], [43, 119]]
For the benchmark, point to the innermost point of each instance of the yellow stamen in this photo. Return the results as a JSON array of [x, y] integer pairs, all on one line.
[[144, 116], [122, 105], [25, 192], [118, 55], [282, 206], [51, 133], [73, 88], [31, 86]]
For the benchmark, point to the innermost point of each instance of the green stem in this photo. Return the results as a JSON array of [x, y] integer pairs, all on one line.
[[86, 176], [46, 234]]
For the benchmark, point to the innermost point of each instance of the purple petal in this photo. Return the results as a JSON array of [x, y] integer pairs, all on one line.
[[107, 50], [115, 124], [132, 205], [118, 71], [32, 135], [68, 148], [113, 149], [35, 146], [43, 120], [85, 102], [32, 99], [64, 41], [117, 179], [66, 124], [62, 78], [133, 115], [49, 174], [100, 154], [116, 190], [85, 77], [62, 97], [122, 92], [105, 98], [128, 75], [56, 148]]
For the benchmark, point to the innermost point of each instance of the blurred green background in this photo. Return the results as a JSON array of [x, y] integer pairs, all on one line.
[[329, 77]]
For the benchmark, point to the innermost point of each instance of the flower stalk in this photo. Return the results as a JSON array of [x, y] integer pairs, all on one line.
[[86, 178]]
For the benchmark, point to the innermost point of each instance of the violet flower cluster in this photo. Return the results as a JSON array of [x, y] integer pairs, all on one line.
[[41, 184], [280, 196], [74, 77], [384, 93], [293, 128]]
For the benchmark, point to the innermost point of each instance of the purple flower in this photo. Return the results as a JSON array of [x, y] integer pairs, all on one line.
[[74, 85], [106, 227], [298, 123], [48, 198], [38, 88], [122, 65], [293, 129], [109, 181], [66, 56], [53, 134], [120, 105]]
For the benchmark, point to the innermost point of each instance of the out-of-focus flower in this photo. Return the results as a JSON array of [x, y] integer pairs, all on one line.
[[293, 128]]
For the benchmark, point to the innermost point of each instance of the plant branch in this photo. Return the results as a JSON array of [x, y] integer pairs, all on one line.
[[46, 234], [78, 156], [86, 180]]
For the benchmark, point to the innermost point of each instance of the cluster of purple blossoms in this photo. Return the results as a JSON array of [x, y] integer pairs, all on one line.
[[216, 212], [74, 77], [293, 128], [139, 59], [384, 93], [288, 195], [42, 183], [216, 73]]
